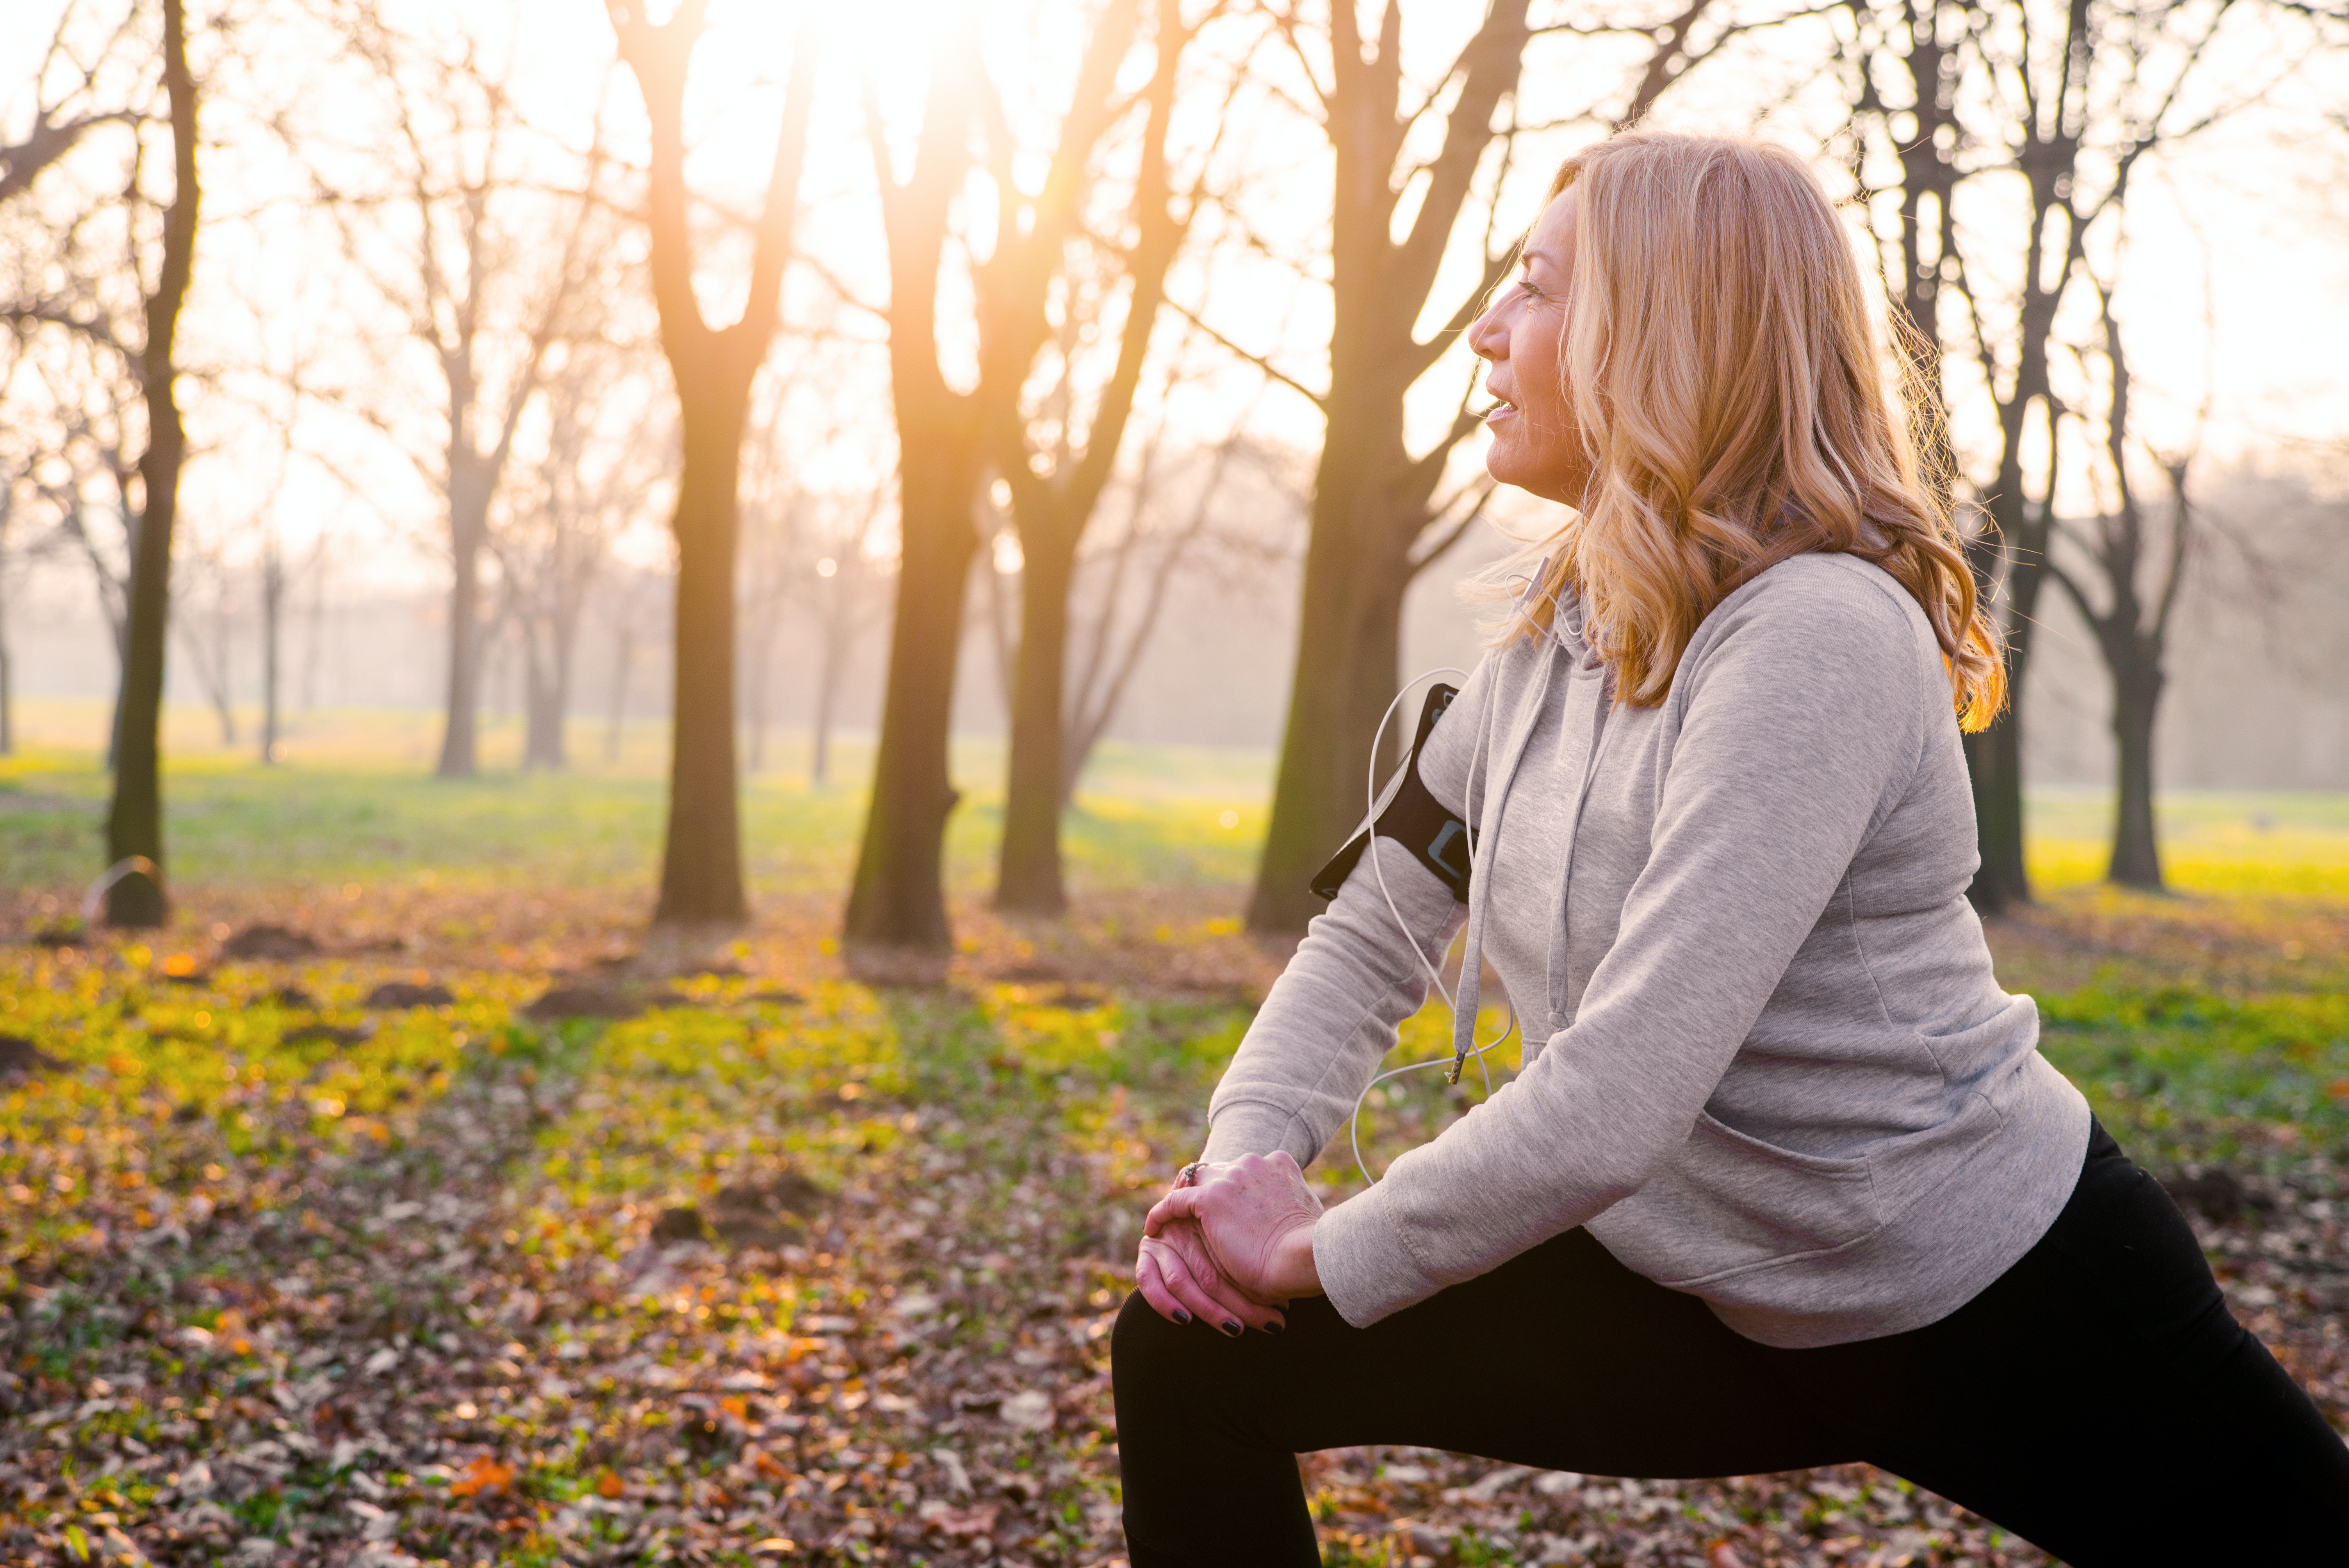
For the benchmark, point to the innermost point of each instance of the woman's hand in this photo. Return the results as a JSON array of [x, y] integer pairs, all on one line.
[[1178, 1277], [1255, 1215]]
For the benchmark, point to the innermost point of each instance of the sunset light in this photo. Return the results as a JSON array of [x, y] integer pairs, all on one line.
[[1116, 783]]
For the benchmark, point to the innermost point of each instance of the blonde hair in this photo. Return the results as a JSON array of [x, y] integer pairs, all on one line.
[[1724, 370]]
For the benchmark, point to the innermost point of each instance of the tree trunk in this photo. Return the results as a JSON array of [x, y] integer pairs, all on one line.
[[1994, 757], [314, 645], [8, 700], [827, 689], [1372, 498], [273, 615], [468, 530], [759, 685], [701, 859], [1028, 879], [542, 705], [899, 896], [2136, 697], [134, 826], [1349, 645], [624, 655]]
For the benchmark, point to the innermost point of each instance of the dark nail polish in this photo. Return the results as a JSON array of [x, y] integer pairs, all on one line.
[[1232, 1327], [1274, 1326], [1181, 1316]]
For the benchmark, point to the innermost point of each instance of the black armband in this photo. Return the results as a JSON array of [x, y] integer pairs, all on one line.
[[1413, 819]]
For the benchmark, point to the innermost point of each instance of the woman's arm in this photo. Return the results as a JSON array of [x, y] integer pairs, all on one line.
[[1803, 721], [1334, 1012]]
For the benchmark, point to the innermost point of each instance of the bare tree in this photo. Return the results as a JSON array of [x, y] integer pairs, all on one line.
[[204, 613], [1124, 583], [1056, 476], [630, 606], [701, 861], [898, 896], [9, 489], [849, 593], [134, 826], [1381, 513], [68, 97], [272, 571], [773, 517], [2050, 107], [2138, 564], [479, 288], [555, 542], [1054, 454]]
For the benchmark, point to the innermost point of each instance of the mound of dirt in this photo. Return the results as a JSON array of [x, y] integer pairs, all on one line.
[[270, 943], [328, 1032], [765, 1213], [590, 1000], [401, 994], [20, 1056]]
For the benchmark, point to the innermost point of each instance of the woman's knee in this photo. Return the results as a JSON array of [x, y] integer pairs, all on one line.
[[1143, 1348]]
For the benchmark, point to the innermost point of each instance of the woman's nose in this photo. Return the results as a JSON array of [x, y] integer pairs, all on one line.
[[1487, 338]]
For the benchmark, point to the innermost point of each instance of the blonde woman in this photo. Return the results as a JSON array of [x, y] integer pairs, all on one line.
[[1784, 1181]]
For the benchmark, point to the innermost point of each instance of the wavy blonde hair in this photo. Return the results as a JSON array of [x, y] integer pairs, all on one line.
[[1738, 406]]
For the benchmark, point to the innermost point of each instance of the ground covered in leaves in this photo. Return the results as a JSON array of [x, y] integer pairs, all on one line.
[[425, 1223]]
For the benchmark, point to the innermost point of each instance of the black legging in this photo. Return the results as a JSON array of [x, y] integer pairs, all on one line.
[[2098, 1399]]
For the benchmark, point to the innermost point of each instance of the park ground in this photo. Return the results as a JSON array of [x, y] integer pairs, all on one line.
[[459, 1222]]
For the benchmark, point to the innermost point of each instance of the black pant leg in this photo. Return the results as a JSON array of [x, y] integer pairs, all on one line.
[[1561, 1357], [2101, 1401]]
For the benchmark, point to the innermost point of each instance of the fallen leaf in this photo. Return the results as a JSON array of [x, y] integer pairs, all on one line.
[[485, 1476]]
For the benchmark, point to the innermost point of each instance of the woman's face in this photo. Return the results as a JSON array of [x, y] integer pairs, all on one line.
[[1536, 446]]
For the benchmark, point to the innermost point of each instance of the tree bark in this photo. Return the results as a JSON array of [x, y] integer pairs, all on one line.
[[1029, 878], [898, 898], [827, 690], [2136, 698], [468, 508], [701, 859], [1349, 647], [1372, 498], [134, 825], [624, 657], [272, 616], [1053, 509], [543, 702], [7, 689]]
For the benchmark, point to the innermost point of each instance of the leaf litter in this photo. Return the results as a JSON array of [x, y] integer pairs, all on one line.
[[782, 1268]]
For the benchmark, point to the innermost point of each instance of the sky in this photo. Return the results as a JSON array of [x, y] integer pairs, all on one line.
[[2234, 281]]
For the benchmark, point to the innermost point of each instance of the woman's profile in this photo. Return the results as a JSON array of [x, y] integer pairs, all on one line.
[[1784, 1181]]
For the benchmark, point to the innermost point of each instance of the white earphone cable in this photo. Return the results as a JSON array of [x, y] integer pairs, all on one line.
[[1435, 977]]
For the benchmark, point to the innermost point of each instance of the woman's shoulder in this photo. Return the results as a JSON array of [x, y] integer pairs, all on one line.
[[1830, 604]]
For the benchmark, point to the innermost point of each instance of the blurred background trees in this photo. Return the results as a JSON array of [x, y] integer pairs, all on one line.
[[1133, 323]]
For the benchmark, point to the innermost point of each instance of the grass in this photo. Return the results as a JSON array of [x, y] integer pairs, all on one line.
[[1062, 1071], [2205, 1024]]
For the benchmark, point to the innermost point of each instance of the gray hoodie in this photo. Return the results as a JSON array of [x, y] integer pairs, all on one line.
[[1766, 1061]]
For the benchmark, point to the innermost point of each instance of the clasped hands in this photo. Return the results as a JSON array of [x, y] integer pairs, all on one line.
[[1233, 1249]]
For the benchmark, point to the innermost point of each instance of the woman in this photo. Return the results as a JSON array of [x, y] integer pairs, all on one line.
[[1784, 1182]]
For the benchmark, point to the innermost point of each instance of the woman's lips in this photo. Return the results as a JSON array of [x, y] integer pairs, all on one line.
[[1499, 412]]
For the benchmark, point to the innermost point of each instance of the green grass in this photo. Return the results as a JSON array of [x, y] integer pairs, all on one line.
[[2210, 1022], [358, 804], [2225, 841]]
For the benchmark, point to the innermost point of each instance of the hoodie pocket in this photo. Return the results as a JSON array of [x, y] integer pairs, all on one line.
[[1730, 1202]]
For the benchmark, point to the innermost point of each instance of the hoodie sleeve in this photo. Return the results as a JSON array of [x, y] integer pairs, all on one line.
[[1335, 1011], [1801, 723]]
